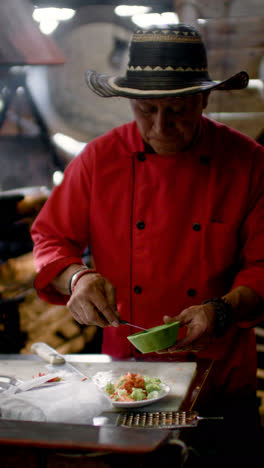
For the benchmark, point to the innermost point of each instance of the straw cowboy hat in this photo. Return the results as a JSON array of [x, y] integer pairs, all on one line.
[[163, 62]]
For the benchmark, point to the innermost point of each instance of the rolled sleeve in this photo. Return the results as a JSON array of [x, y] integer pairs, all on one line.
[[42, 281], [60, 232]]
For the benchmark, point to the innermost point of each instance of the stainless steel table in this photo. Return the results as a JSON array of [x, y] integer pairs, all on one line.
[[83, 442]]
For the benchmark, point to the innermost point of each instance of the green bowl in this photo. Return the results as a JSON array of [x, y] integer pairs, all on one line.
[[156, 338]]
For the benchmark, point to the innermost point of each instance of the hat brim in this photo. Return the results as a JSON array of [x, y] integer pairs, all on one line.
[[110, 86]]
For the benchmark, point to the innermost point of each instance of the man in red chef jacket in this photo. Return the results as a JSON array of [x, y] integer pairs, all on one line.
[[172, 205]]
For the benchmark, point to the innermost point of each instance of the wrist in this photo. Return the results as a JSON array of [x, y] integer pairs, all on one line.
[[76, 276], [224, 315]]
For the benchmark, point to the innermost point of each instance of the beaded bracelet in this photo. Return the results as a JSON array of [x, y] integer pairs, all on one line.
[[76, 276], [224, 315]]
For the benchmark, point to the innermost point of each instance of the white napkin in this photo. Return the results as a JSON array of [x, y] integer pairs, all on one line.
[[70, 401]]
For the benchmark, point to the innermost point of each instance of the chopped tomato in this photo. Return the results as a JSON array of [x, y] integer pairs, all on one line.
[[139, 382], [131, 380], [55, 379], [41, 374], [128, 386]]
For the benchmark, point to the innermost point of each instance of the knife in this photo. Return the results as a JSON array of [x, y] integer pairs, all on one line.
[[57, 360], [124, 322]]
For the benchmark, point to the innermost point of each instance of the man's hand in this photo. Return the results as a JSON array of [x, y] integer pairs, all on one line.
[[199, 321], [93, 301]]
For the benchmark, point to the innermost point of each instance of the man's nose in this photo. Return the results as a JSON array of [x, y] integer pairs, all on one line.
[[161, 122]]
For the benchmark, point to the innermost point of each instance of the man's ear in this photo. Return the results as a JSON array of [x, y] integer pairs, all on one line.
[[205, 98]]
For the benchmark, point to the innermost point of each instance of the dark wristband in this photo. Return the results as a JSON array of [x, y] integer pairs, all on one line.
[[224, 315]]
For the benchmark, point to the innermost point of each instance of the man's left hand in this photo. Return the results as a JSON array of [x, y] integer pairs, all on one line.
[[199, 320]]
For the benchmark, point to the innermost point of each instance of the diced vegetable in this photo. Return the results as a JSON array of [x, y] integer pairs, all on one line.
[[110, 388], [151, 379], [154, 394], [151, 387], [138, 394]]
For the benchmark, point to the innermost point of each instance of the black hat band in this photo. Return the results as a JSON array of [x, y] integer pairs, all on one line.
[[164, 55]]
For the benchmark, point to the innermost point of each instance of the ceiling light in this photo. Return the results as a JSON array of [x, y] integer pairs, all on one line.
[[60, 14], [128, 10], [47, 27], [49, 18], [155, 19]]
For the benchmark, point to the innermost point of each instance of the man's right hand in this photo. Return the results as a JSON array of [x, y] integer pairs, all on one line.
[[93, 301]]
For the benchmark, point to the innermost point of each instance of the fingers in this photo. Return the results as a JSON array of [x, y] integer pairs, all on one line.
[[110, 294], [197, 320], [183, 347], [88, 315], [192, 342], [177, 318], [180, 350], [168, 319], [100, 302], [93, 301], [189, 343]]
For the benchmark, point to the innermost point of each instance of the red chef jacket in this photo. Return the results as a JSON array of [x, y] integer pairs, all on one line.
[[168, 231]]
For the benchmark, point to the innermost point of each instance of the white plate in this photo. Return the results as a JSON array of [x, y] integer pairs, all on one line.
[[165, 389]]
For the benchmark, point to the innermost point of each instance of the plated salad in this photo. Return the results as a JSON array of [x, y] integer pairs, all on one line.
[[132, 387]]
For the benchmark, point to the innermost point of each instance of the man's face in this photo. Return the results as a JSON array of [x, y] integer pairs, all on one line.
[[169, 124]]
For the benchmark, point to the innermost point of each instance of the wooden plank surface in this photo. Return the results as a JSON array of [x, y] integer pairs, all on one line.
[[218, 8], [80, 437], [233, 32], [222, 63], [246, 100]]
